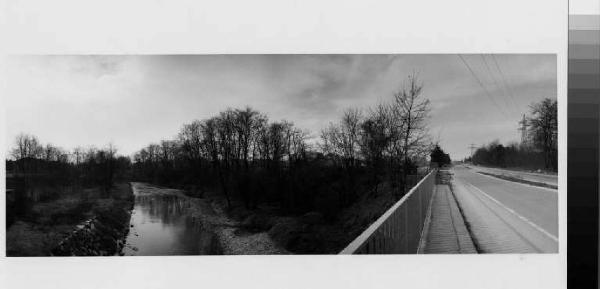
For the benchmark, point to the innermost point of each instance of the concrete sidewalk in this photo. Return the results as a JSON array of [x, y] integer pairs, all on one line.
[[446, 232]]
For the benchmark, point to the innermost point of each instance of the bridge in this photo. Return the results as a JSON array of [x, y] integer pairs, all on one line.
[[465, 210]]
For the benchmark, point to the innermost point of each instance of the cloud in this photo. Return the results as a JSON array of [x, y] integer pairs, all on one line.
[[134, 100]]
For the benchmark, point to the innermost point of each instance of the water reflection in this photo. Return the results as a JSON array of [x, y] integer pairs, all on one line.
[[161, 227]]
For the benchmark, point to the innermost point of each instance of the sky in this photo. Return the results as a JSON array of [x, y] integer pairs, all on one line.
[[132, 101]]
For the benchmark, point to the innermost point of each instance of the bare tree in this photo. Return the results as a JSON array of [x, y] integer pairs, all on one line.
[[342, 139], [376, 137], [330, 141], [27, 146], [212, 130], [412, 108], [350, 128], [544, 128], [168, 152], [247, 122], [298, 143], [190, 137]]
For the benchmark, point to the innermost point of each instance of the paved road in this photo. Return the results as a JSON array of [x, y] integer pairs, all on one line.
[[507, 217]]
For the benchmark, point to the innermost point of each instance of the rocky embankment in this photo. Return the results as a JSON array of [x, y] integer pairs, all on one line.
[[102, 235]]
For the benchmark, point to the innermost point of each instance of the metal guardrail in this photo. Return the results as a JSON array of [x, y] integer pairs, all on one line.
[[398, 230]]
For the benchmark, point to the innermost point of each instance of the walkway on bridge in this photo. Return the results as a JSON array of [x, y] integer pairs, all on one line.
[[446, 232]]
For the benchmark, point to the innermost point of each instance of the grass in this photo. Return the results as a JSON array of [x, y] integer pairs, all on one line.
[[518, 180]]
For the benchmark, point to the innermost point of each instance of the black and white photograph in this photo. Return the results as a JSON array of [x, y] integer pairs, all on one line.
[[281, 154]]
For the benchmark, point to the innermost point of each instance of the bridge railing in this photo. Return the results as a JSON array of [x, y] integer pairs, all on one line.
[[399, 229]]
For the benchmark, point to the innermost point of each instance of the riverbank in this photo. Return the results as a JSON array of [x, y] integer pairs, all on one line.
[[209, 215], [83, 223], [271, 230], [264, 230]]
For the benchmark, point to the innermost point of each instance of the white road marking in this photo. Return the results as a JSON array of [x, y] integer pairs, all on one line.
[[527, 221], [523, 184]]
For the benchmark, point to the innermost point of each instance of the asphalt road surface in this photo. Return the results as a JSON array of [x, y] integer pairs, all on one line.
[[504, 216]]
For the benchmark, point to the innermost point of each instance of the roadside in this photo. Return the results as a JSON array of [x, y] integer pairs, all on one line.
[[529, 178]]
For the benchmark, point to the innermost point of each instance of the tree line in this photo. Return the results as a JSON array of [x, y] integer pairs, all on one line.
[[539, 150], [48, 165], [44, 173], [245, 155]]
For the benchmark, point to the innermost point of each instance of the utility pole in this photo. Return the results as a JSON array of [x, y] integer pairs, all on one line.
[[523, 130], [472, 147]]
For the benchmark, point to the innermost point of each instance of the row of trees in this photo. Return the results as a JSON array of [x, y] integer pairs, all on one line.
[[510, 155], [43, 172], [538, 150], [233, 150], [51, 165], [387, 140], [28, 146], [247, 157], [243, 154]]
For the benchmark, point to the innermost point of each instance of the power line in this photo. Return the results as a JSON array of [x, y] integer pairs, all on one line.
[[481, 84], [496, 82], [506, 86], [510, 93]]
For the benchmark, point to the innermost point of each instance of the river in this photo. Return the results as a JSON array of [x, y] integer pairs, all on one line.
[[162, 226]]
